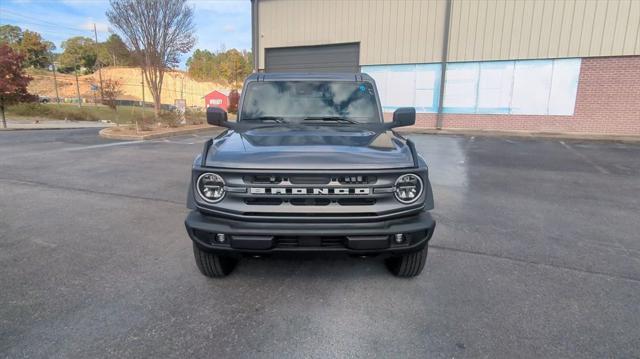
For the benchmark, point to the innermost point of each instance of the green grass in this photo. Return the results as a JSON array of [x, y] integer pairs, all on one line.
[[88, 112]]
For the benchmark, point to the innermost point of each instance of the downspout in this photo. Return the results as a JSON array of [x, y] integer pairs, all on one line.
[[443, 64], [255, 34]]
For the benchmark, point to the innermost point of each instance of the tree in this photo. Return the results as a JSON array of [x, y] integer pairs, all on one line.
[[157, 32], [111, 90], [114, 52], [36, 51], [234, 67], [226, 66], [10, 34], [79, 52], [204, 66], [13, 87]]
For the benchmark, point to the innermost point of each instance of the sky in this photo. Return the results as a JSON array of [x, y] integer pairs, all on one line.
[[218, 23]]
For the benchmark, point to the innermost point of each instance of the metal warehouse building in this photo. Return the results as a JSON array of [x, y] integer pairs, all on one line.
[[529, 65]]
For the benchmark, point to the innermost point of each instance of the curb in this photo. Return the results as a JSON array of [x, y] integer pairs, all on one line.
[[524, 134], [47, 128], [108, 133]]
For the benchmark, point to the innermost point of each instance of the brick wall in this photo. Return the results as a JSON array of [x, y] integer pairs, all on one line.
[[607, 102]]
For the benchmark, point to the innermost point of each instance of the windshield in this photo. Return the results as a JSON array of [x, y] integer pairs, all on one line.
[[298, 101]]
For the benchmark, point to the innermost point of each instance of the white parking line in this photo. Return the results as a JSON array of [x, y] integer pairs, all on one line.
[[585, 158], [181, 142], [102, 145]]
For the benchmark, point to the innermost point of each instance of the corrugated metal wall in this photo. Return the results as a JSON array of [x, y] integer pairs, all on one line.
[[530, 29], [410, 31], [389, 31]]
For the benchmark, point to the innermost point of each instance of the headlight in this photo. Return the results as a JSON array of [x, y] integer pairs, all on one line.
[[210, 187], [408, 188]]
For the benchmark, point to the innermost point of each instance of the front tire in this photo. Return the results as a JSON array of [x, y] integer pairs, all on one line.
[[408, 265], [212, 265]]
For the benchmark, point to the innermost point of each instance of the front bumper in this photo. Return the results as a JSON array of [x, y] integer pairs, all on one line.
[[360, 238]]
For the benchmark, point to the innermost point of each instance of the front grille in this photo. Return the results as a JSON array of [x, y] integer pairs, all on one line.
[[356, 201], [356, 179], [324, 195], [263, 201], [263, 179], [310, 241], [309, 180], [310, 201], [309, 190]]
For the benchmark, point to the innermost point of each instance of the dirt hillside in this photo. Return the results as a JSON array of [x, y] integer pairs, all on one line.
[[130, 80]]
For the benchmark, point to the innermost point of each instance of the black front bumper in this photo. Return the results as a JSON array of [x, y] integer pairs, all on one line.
[[362, 238]]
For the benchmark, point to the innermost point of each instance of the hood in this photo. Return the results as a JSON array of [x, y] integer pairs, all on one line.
[[309, 147]]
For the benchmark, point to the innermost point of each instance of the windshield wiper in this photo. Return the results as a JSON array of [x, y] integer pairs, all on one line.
[[330, 118], [276, 119]]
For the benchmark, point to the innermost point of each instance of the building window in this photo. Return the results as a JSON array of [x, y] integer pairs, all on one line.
[[461, 89], [530, 87], [494, 87], [407, 85]]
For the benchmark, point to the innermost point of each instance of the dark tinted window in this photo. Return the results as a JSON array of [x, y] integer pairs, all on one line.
[[297, 100]]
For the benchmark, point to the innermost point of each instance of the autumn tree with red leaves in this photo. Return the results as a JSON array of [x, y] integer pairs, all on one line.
[[13, 80], [111, 90]]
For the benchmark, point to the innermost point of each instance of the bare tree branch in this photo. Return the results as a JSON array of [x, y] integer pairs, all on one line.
[[157, 32]]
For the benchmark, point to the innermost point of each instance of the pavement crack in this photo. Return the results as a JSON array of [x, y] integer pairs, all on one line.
[[55, 186], [520, 260]]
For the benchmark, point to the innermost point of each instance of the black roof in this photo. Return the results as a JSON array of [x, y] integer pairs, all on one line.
[[295, 76]]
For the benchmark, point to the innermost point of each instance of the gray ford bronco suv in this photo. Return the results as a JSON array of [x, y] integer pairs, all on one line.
[[310, 166]]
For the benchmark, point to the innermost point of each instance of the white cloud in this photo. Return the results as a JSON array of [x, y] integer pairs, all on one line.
[[222, 7], [229, 28]]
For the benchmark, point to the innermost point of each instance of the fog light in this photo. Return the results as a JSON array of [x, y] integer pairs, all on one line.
[[399, 238], [220, 237]]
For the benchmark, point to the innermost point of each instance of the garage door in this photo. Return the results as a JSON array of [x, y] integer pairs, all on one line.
[[324, 58]]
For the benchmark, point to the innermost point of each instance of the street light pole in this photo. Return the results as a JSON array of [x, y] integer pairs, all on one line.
[[95, 32], [77, 85], [141, 83], [55, 83]]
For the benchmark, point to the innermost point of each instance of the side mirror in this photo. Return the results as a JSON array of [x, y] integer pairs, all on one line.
[[404, 116], [216, 116]]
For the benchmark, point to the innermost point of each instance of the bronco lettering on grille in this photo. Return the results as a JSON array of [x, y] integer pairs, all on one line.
[[310, 191]]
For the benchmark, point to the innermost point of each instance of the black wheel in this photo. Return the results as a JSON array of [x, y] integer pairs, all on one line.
[[212, 265], [408, 265]]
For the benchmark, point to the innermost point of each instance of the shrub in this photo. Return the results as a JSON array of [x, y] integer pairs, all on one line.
[[170, 118], [194, 117], [72, 113], [111, 90], [32, 109]]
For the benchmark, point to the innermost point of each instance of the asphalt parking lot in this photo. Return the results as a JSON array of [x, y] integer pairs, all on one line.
[[536, 254]]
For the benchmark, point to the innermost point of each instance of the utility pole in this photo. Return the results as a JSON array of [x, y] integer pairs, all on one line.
[[95, 32], [55, 83], [443, 65], [235, 72], [142, 83], [75, 68]]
